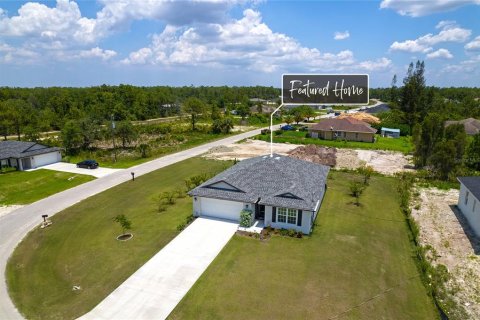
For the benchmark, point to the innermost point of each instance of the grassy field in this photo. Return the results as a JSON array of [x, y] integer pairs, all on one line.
[[23, 187], [357, 264], [80, 248], [402, 144]]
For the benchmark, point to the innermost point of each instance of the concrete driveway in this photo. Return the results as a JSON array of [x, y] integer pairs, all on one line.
[[71, 167], [158, 286]]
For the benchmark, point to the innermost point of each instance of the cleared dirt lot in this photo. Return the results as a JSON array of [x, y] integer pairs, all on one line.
[[443, 227], [386, 162]]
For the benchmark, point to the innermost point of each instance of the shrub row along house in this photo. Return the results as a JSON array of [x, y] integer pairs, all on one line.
[[285, 193], [349, 129], [24, 155]]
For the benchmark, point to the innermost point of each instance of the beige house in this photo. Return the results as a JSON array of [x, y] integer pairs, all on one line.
[[349, 129]]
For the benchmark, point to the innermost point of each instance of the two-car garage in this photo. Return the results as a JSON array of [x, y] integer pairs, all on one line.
[[223, 209]]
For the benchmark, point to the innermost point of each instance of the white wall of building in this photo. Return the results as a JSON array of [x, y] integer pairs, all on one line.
[[470, 207]]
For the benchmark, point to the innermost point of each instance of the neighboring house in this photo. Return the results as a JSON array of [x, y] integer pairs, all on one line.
[[343, 129], [389, 132], [469, 201], [27, 155], [471, 125], [283, 192]]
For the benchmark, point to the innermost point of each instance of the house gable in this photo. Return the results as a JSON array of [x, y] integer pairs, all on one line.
[[288, 195], [222, 185]]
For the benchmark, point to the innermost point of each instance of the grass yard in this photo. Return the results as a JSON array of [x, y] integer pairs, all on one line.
[[23, 187], [357, 264], [80, 248], [402, 144]]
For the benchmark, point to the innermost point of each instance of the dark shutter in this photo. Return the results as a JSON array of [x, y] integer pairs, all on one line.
[[274, 214], [299, 218]]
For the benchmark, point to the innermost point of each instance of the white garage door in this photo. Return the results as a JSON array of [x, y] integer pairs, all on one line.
[[46, 158], [223, 209]]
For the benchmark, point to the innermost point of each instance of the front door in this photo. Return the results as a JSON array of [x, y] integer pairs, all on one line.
[[260, 212]]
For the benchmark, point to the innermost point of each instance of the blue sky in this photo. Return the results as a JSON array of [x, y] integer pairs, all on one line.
[[234, 42]]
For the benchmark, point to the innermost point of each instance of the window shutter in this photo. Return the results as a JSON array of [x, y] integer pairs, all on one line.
[[299, 218], [274, 214]]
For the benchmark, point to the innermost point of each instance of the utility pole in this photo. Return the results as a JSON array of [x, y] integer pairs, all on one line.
[[113, 138]]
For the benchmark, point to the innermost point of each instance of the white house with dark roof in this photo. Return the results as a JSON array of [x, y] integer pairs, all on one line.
[[283, 192], [27, 155], [469, 201]]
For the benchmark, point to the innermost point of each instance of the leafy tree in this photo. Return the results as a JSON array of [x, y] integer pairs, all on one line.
[[298, 116], [89, 131], [443, 159], [144, 149], [412, 95], [366, 172], [243, 111], [124, 223], [127, 132], [71, 136], [456, 133], [356, 190], [426, 136], [393, 90], [216, 114], [222, 125], [195, 107], [288, 119], [473, 153], [32, 133], [309, 112]]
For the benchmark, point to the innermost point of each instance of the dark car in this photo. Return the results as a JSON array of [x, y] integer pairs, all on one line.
[[288, 127], [88, 164]]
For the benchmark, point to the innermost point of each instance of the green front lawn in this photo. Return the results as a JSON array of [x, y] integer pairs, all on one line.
[[81, 249], [357, 264], [402, 144], [23, 187]]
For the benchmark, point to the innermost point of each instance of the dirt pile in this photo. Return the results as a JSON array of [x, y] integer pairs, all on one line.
[[362, 116], [316, 154]]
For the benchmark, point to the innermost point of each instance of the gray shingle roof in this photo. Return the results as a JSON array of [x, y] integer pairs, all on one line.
[[21, 149], [267, 178], [472, 184]]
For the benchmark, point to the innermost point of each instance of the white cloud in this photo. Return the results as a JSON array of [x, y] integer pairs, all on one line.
[[472, 65], [450, 33], [446, 24], [246, 43], [440, 53], [341, 35], [474, 44], [418, 8], [379, 64], [97, 53]]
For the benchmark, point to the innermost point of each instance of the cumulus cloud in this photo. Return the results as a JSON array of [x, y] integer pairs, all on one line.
[[97, 53], [440, 53], [246, 43], [450, 32], [341, 35], [473, 45], [418, 8], [471, 65]]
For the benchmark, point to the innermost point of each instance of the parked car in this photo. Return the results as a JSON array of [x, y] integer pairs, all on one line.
[[288, 127], [88, 164]]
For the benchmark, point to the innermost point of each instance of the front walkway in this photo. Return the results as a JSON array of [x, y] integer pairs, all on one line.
[[158, 286]]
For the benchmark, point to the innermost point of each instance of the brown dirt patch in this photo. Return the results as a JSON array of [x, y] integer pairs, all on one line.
[[316, 154], [443, 227]]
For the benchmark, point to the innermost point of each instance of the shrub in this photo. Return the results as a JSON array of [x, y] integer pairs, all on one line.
[[168, 197], [265, 131], [181, 226], [162, 207], [308, 135], [278, 132], [292, 233], [180, 193], [195, 181], [284, 232], [299, 234], [185, 224], [246, 218]]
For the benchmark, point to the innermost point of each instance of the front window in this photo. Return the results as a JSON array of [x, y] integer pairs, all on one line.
[[286, 215]]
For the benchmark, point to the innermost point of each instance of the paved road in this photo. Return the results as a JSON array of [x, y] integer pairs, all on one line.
[[154, 290], [15, 225]]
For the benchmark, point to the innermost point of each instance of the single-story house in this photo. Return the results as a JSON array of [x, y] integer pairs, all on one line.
[[390, 132], [343, 129], [471, 125], [27, 155], [469, 201], [284, 192]]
